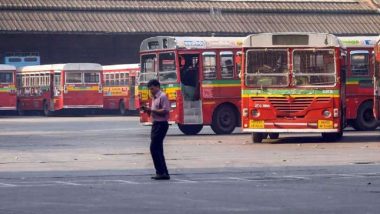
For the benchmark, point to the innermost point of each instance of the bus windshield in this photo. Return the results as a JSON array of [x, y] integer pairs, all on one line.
[[167, 67], [314, 67], [148, 71], [6, 77], [267, 68]]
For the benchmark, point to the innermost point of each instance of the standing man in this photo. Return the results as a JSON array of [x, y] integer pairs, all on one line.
[[159, 113]]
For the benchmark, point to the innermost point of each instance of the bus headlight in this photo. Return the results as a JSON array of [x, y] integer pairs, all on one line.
[[326, 113], [173, 105], [255, 113]]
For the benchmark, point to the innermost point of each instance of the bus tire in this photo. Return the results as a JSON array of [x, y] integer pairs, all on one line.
[[365, 120], [45, 109], [332, 137], [258, 137], [274, 135], [224, 120], [190, 129], [122, 109], [20, 112]]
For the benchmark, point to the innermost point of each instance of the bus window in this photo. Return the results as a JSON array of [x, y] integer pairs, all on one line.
[[360, 63], [226, 64], [117, 79], [73, 77], [312, 68], [6, 77], [126, 79], [107, 79], [91, 77], [167, 68], [267, 68], [148, 70], [209, 65]]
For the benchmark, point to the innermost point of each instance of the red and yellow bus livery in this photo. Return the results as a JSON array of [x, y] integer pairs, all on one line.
[[292, 83], [61, 86], [359, 81], [200, 75], [120, 87], [8, 98]]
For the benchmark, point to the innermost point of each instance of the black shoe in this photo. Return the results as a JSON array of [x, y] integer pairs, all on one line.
[[161, 177]]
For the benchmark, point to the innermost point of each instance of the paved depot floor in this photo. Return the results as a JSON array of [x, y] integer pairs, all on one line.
[[102, 165]]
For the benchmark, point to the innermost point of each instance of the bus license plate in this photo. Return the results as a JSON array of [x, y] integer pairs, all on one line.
[[325, 124], [256, 124]]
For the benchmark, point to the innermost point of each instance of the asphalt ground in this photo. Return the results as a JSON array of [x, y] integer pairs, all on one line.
[[101, 164]]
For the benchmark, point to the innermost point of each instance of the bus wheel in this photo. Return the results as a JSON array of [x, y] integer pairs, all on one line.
[[20, 112], [122, 109], [258, 137], [224, 120], [46, 109], [190, 129], [332, 137], [274, 135], [365, 120]]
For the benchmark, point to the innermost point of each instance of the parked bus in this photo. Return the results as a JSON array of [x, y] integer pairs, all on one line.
[[292, 83], [120, 84], [61, 86], [8, 96], [200, 76], [359, 82], [376, 78]]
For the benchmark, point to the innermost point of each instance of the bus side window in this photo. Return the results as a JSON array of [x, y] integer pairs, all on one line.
[[360, 63], [112, 79], [227, 64], [209, 65]]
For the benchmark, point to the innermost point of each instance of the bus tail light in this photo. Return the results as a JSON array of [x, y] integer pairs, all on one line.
[[326, 113], [245, 112], [336, 112], [65, 89]]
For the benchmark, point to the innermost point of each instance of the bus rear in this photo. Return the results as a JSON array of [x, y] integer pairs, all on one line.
[[82, 86], [292, 83], [8, 98], [119, 89]]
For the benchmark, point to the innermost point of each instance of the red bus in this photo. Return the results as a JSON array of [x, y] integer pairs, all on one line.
[[8, 98], [359, 82], [120, 84], [376, 79], [62, 86], [292, 83], [200, 77]]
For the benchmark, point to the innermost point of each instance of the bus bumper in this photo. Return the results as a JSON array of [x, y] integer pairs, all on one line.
[[82, 106], [150, 123], [8, 108], [292, 130]]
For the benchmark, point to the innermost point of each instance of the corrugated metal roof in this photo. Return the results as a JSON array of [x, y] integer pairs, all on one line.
[[188, 17]]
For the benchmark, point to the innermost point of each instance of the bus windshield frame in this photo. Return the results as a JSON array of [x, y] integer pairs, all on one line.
[[317, 69], [144, 75], [4, 78], [167, 75], [274, 69]]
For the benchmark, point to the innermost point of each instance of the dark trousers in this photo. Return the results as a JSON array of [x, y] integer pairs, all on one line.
[[157, 136]]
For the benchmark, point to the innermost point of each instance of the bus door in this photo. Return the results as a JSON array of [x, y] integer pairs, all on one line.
[[190, 87], [131, 90]]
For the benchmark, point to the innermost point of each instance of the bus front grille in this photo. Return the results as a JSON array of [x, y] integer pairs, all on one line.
[[290, 105]]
